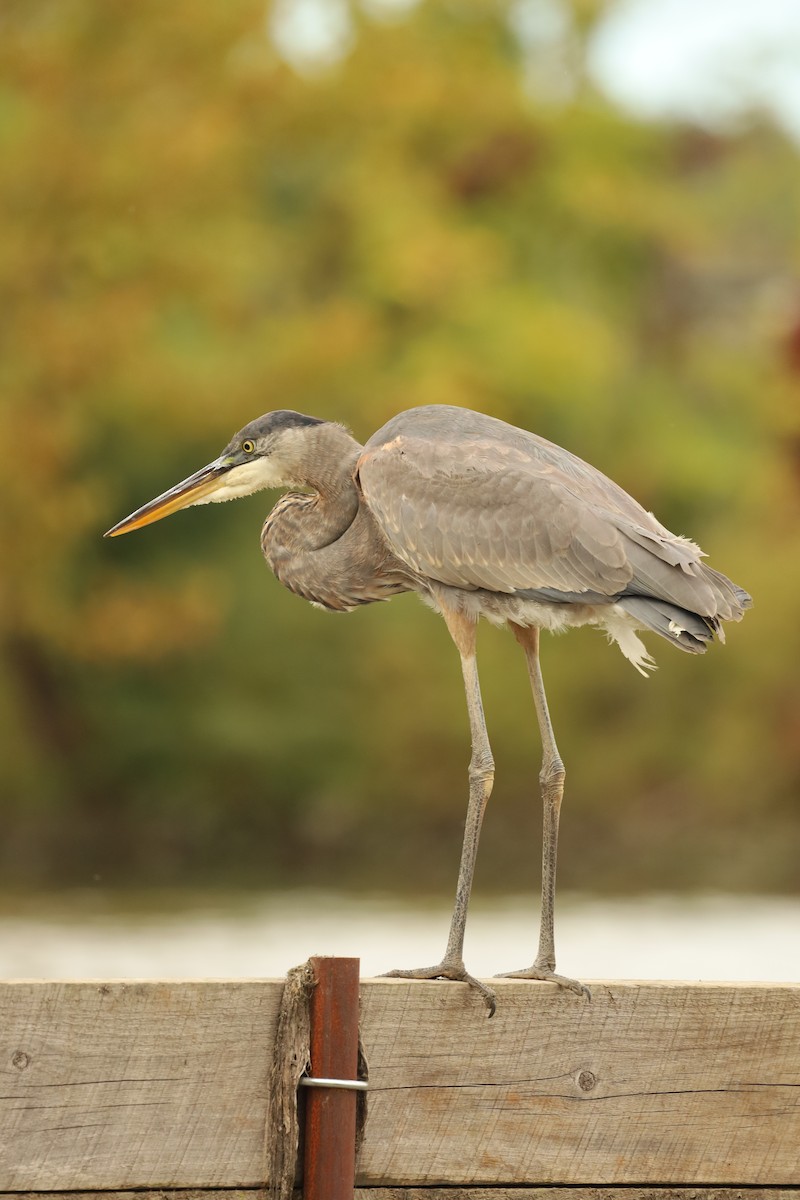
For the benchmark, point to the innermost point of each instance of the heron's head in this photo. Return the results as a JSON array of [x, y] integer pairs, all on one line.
[[269, 452]]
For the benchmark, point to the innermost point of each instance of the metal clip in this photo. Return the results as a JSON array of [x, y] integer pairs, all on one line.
[[352, 1085]]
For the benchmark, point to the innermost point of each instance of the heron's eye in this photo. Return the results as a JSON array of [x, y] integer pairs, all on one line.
[[248, 446]]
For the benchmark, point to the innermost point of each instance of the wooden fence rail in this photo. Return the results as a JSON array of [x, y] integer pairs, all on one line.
[[663, 1089]]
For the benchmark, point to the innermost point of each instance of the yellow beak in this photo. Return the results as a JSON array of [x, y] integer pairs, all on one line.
[[203, 483]]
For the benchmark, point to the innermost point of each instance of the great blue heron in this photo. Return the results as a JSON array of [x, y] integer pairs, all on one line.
[[481, 519]]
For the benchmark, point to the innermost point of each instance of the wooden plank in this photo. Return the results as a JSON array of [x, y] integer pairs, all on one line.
[[135, 1084], [162, 1085], [664, 1083], [435, 1193], [559, 1193]]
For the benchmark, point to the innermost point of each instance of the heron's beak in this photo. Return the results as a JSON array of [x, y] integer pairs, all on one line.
[[190, 491]]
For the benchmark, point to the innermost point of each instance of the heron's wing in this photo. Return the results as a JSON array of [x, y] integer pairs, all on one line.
[[484, 514], [494, 507]]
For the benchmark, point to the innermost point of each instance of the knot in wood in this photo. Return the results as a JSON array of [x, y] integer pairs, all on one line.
[[586, 1081], [20, 1060]]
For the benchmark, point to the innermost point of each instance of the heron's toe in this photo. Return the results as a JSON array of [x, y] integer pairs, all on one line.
[[548, 976], [455, 971]]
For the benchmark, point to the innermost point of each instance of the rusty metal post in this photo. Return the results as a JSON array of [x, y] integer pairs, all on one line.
[[330, 1124]]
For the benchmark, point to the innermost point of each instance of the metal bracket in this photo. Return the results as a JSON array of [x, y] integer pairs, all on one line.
[[353, 1085]]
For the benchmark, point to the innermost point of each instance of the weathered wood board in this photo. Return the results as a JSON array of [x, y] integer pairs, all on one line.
[[115, 1085], [649, 1083], [128, 1084], [448, 1193]]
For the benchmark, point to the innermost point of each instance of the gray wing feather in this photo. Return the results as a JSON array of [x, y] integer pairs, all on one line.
[[471, 502], [473, 516]]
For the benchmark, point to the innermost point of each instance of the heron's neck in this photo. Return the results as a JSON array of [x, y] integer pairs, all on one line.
[[302, 523], [329, 461], [323, 545]]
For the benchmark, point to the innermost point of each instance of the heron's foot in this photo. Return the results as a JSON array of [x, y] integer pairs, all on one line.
[[543, 972], [449, 970]]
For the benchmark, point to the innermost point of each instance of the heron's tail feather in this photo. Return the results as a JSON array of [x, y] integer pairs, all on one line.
[[731, 599], [684, 629]]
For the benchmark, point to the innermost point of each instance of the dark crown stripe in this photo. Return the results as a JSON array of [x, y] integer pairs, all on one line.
[[285, 418]]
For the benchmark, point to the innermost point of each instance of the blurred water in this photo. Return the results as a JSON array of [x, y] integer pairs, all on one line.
[[654, 937]]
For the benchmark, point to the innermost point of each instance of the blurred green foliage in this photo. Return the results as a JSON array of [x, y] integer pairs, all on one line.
[[192, 233]]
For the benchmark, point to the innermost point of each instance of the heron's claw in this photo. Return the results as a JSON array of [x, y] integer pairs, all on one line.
[[455, 971], [548, 976]]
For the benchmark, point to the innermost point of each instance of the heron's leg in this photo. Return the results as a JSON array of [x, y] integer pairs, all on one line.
[[551, 779], [463, 630]]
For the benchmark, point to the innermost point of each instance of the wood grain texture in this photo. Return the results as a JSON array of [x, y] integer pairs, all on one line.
[[560, 1193], [555, 1193], [662, 1083], [124, 1085], [163, 1085], [435, 1193]]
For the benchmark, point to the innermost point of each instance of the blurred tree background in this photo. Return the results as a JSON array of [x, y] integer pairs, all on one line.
[[193, 232]]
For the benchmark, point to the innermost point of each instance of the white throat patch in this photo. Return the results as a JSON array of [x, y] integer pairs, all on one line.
[[244, 480]]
